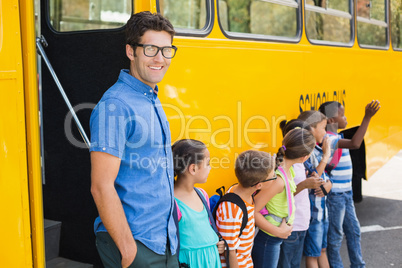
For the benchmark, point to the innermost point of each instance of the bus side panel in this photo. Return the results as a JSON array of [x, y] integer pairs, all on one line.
[[15, 230]]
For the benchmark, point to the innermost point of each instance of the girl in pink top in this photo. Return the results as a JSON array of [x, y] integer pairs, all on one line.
[[292, 247]]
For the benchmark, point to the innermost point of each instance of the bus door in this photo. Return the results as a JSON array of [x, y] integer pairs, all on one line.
[[86, 48]]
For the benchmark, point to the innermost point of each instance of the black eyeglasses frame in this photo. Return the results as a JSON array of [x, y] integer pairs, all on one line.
[[270, 179], [158, 49]]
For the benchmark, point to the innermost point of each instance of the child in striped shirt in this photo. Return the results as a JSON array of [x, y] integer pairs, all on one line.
[[254, 171], [341, 209]]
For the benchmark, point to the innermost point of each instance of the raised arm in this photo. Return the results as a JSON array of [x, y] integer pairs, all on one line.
[[356, 141], [105, 168], [261, 199]]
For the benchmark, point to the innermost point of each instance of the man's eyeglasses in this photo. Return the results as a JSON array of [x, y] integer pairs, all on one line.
[[270, 179], [152, 50]]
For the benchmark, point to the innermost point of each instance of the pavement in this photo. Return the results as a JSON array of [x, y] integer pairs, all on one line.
[[380, 216]]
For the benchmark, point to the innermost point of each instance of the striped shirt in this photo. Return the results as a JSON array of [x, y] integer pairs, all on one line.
[[341, 175], [228, 221], [318, 206]]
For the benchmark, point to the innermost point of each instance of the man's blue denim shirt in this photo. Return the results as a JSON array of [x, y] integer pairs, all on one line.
[[129, 122]]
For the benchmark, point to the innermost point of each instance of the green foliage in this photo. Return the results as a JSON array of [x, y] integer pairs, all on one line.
[[183, 13]]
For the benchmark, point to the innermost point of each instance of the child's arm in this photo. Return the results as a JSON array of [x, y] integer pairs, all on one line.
[[312, 182], [233, 259], [261, 199], [356, 141], [326, 151]]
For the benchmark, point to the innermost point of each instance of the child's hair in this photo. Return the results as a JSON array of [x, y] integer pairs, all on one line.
[[296, 143], [330, 108], [252, 166], [185, 153], [287, 126], [312, 118]]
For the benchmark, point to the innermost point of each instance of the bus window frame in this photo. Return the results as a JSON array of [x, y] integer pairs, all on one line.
[[261, 37], [334, 11], [48, 21], [388, 31], [203, 32]]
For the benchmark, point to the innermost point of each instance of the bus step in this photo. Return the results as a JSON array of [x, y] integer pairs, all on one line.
[[52, 239], [65, 263]]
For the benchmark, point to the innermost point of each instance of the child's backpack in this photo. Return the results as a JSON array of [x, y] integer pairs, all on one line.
[[215, 200]]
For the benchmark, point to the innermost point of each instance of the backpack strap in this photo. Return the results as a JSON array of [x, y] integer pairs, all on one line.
[[201, 193], [335, 158], [288, 193], [235, 199], [176, 222]]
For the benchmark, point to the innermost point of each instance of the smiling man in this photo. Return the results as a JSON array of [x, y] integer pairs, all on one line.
[[129, 130]]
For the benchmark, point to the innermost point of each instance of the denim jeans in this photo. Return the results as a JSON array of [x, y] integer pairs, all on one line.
[[266, 250], [292, 250], [343, 219]]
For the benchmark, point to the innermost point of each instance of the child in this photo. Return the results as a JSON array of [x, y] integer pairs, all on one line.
[[278, 199], [292, 247], [341, 210], [191, 166], [253, 170], [315, 243]]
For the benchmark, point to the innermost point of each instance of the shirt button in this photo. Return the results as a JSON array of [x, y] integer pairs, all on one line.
[[145, 94], [150, 91], [104, 148]]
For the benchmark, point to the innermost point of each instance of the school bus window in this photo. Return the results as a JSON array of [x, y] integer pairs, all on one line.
[[396, 24], [259, 17], [79, 15], [328, 21], [185, 14], [371, 23]]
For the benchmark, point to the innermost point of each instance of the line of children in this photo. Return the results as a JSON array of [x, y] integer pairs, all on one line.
[[291, 211]]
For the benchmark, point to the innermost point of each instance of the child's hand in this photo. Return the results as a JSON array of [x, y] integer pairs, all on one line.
[[327, 186], [221, 247], [285, 230], [326, 149], [372, 108], [313, 181]]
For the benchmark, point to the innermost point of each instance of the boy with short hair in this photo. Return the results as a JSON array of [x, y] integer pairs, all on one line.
[[253, 171], [341, 209]]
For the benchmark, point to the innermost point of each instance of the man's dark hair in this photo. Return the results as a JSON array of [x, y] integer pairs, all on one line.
[[141, 22]]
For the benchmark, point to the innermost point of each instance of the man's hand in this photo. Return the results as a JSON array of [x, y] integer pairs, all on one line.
[[129, 257], [372, 108]]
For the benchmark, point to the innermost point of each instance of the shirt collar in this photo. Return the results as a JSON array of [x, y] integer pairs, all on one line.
[[137, 85]]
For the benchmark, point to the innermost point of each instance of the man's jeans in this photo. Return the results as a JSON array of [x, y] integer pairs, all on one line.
[[266, 250], [342, 218], [292, 250]]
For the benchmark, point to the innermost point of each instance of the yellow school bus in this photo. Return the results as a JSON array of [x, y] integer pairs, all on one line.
[[242, 66]]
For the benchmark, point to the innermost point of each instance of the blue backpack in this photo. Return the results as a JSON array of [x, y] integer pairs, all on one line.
[[215, 200]]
